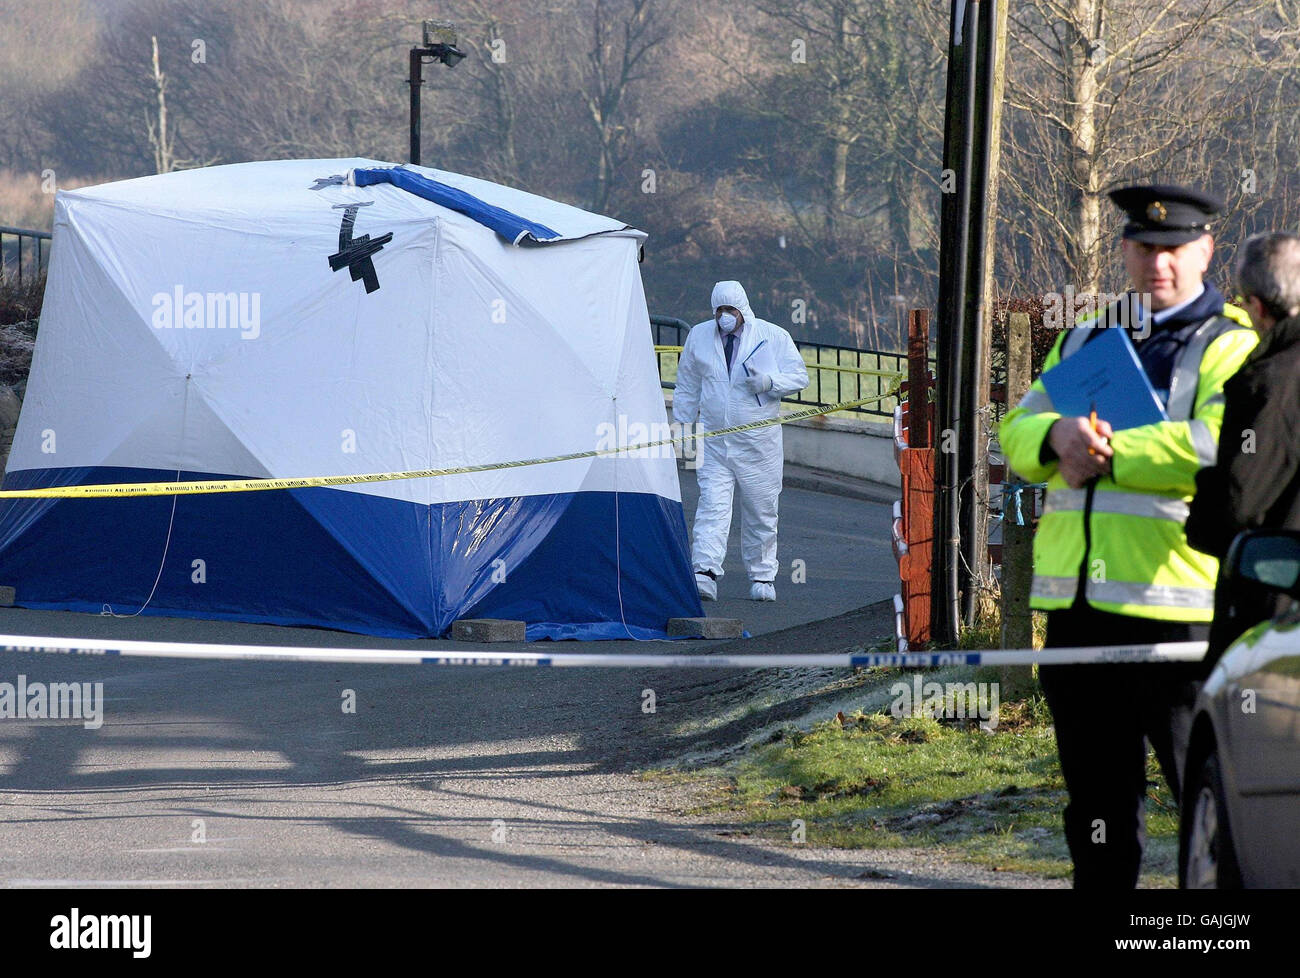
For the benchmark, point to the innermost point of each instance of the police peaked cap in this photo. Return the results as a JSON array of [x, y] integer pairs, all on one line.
[[1162, 213]]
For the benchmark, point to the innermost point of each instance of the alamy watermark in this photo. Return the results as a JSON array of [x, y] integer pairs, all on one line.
[[178, 309], [1070, 308], [53, 701], [657, 439], [946, 701], [75, 931]]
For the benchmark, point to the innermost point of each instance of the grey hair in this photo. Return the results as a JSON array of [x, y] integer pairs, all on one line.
[[1268, 267]]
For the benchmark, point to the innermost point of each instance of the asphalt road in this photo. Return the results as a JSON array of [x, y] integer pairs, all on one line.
[[255, 774]]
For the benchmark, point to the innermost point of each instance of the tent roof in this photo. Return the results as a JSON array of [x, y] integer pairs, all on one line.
[[242, 194]]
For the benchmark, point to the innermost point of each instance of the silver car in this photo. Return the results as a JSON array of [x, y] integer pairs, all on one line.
[[1240, 823]]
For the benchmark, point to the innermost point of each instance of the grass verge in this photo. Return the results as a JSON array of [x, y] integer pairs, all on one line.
[[873, 780]]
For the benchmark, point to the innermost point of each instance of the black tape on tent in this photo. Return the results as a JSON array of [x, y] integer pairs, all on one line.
[[356, 253]]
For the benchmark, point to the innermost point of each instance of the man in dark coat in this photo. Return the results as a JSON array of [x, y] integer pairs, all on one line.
[[1255, 481]]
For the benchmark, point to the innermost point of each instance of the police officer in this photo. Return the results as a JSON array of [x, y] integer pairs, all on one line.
[[1111, 563]]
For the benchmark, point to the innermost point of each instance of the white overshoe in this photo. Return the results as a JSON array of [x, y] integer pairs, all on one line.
[[707, 587], [762, 591]]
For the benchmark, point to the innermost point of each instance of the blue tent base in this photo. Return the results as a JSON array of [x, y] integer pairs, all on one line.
[[610, 631], [593, 631], [352, 561]]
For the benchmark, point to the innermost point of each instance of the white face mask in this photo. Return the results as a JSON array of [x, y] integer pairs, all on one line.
[[727, 322]]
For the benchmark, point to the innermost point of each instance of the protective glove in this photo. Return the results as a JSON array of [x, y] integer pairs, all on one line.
[[758, 383]]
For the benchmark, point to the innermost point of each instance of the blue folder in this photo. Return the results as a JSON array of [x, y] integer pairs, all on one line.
[[1107, 373]]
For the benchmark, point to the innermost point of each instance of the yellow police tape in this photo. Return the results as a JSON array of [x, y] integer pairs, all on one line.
[[259, 485]]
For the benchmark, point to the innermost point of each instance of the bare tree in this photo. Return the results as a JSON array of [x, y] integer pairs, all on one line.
[[1108, 90], [40, 47], [162, 141], [624, 35]]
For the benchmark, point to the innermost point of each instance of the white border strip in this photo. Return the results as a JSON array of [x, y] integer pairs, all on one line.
[[1162, 652]]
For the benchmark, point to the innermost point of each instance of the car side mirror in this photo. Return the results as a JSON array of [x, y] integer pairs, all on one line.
[[1259, 565], [1266, 558]]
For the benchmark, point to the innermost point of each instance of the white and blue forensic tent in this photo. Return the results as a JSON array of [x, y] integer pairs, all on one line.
[[333, 317]]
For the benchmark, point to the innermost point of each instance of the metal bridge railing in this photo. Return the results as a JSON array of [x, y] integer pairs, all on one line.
[[835, 373], [19, 261]]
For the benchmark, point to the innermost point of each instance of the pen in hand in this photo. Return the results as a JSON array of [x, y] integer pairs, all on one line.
[[1096, 431]]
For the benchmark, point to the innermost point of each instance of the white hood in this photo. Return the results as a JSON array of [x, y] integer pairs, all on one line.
[[732, 294]]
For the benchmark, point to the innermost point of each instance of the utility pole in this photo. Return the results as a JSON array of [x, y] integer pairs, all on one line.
[[973, 453], [954, 220], [963, 364]]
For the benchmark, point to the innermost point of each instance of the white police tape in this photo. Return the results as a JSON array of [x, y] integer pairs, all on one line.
[[1162, 652]]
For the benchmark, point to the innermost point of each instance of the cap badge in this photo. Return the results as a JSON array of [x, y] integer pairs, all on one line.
[[1156, 211]]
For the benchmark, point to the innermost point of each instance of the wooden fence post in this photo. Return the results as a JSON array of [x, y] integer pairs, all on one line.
[[918, 385], [1017, 538]]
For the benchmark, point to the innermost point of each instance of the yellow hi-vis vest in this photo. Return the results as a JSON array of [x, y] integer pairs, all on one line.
[[1119, 542]]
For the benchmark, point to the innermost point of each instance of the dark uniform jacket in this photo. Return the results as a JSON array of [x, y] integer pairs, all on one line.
[[1247, 490]]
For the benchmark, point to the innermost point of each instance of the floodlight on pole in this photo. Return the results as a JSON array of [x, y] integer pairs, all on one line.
[[439, 45]]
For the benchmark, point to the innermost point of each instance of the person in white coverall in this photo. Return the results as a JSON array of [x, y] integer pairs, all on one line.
[[734, 369]]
